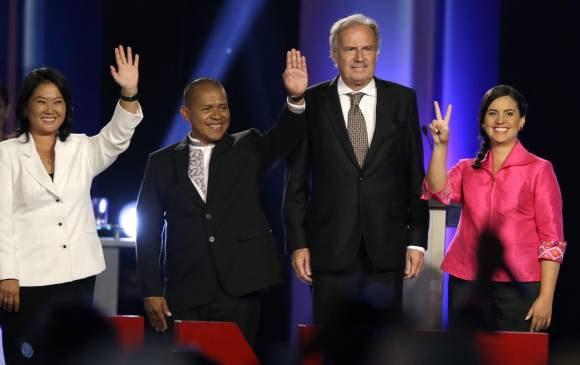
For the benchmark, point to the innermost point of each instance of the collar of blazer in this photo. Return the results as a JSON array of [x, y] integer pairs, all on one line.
[[383, 123], [518, 156], [31, 162]]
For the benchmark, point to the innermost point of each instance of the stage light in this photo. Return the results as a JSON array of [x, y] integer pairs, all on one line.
[[100, 209], [128, 220], [102, 205]]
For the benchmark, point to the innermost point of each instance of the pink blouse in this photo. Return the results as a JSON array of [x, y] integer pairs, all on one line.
[[521, 204]]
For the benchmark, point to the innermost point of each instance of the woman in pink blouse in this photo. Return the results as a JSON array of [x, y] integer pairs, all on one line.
[[513, 194]]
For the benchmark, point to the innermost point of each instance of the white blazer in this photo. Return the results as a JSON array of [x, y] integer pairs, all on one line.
[[47, 228]]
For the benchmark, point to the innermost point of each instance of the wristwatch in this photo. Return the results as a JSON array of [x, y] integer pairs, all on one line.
[[296, 98], [129, 98]]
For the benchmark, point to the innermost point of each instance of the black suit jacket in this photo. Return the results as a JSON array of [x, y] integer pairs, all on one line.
[[184, 245], [331, 205]]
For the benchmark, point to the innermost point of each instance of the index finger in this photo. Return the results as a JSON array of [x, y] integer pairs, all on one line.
[[158, 319], [288, 60], [437, 110]]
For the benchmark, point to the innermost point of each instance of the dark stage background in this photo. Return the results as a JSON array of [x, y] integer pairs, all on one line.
[[538, 54], [170, 40]]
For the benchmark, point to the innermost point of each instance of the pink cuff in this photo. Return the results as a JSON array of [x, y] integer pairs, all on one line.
[[553, 251], [444, 195]]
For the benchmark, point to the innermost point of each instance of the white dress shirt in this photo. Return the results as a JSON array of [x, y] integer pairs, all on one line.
[[367, 105]]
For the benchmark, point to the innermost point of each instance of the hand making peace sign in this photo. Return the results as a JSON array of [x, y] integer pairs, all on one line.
[[440, 127]]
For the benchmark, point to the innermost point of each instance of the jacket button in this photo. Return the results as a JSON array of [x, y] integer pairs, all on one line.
[[60, 223], [208, 216], [63, 246], [211, 239], [57, 200]]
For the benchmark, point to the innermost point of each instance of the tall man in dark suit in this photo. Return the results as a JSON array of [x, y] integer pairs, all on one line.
[[352, 209], [204, 246]]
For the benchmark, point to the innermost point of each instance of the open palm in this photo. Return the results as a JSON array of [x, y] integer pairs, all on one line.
[[296, 75], [126, 74]]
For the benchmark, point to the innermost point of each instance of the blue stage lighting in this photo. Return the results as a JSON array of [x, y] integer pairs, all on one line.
[[228, 34]]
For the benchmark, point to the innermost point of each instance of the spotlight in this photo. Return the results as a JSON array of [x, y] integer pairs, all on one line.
[[128, 219], [100, 209]]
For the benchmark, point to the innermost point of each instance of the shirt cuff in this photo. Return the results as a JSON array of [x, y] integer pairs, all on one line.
[[294, 108], [418, 248], [552, 251], [138, 114], [444, 195]]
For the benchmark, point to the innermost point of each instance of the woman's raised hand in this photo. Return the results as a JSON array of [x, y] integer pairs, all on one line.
[[440, 127], [126, 74]]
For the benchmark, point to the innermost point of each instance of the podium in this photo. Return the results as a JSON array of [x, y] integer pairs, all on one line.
[[221, 341], [513, 348], [494, 348], [423, 296], [130, 331]]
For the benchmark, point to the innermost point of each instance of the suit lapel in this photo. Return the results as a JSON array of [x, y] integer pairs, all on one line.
[[62, 163], [383, 123], [336, 119], [224, 171], [181, 164], [33, 165]]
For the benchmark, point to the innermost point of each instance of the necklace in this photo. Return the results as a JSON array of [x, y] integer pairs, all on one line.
[[47, 161]]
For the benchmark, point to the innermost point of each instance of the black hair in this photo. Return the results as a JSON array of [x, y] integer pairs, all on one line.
[[192, 86], [35, 78], [492, 94]]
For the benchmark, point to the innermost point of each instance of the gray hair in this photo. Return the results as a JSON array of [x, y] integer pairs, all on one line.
[[344, 23]]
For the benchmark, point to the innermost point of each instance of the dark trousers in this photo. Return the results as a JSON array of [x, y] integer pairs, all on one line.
[[332, 290], [243, 310], [500, 306], [34, 300]]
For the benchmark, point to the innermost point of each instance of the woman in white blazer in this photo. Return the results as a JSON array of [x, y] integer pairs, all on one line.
[[49, 248]]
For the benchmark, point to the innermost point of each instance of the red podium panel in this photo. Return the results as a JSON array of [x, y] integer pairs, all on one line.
[[221, 341], [306, 334], [513, 348], [496, 348], [130, 331]]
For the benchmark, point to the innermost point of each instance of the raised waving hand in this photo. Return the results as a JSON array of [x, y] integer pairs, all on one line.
[[440, 127], [296, 75], [126, 74]]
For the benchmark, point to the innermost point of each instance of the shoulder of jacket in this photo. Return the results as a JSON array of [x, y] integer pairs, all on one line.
[[164, 150], [394, 86], [244, 136]]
